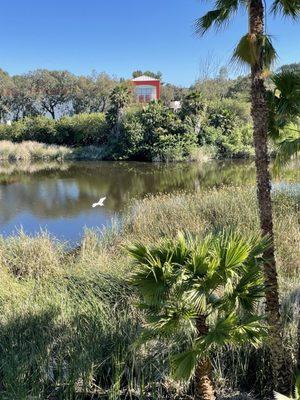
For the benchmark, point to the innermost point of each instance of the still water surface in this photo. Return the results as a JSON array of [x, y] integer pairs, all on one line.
[[58, 197]]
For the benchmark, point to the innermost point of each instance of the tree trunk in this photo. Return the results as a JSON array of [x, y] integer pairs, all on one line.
[[203, 384], [52, 112], [259, 113]]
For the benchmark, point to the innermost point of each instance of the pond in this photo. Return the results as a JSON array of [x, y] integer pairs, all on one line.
[[57, 197]]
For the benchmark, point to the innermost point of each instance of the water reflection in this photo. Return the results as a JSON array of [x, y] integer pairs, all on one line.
[[58, 197]]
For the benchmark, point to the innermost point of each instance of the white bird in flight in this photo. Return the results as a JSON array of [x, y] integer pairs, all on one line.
[[100, 202]]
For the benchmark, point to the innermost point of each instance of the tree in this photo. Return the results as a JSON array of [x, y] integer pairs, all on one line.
[[171, 92], [203, 295], [23, 97], [240, 88], [255, 49], [294, 67], [54, 89], [155, 75], [91, 93], [119, 99], [194, 108], [6, 86]]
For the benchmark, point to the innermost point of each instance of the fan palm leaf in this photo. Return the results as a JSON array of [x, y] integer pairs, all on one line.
[[290, 8], [287, 149], [252, 49]]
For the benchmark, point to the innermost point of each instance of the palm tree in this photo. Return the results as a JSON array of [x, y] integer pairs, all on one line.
[[119, 99], [256, 50], [203, 295]]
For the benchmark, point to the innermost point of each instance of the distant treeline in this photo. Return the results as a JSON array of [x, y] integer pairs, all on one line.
[[100, 110], [59, 93]]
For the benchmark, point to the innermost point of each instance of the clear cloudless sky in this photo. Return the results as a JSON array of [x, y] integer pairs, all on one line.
[[119, 36]]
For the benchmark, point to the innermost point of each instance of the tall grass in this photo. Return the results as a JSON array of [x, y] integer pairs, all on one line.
[[68, 320], [33, 151]]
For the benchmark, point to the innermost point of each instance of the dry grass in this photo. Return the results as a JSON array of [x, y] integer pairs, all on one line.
[[33, 151], [28, 150]]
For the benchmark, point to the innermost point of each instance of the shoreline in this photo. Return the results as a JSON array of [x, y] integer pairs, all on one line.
[[31, 151]]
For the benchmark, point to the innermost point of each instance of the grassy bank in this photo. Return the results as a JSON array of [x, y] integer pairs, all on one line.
[[31, 151], [68, 319], [34, 151]]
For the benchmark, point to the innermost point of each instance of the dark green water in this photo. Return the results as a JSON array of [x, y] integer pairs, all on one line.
[[58, 197]]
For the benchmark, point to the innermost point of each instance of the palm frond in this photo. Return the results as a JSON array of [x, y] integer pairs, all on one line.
[[287, 149], [232, 330], [214, 18], [287, 95], [184, 364], [258, 246], [289, 8], [224, 10], [253, 49]]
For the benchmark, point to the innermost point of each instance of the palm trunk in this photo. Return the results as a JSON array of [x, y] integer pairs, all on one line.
[[260, 120], [203, 384]]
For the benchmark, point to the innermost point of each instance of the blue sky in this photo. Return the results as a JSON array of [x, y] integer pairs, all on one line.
[[119, 36]]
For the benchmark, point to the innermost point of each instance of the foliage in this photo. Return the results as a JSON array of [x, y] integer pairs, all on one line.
[[283, 101], [154, 133], [284, 114], [82, 130], [79, 130], [119, 100], [169, 93], [5, 92], [185, 283], [155, 75], [91, 93], [52, 88], [228, 128]]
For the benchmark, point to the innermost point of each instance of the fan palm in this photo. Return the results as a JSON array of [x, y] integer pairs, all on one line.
[[256, 50], [204, 293], [284, 113]]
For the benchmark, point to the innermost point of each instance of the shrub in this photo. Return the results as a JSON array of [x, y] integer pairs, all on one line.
[[81, 130], [227, 129], [39, 129]]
